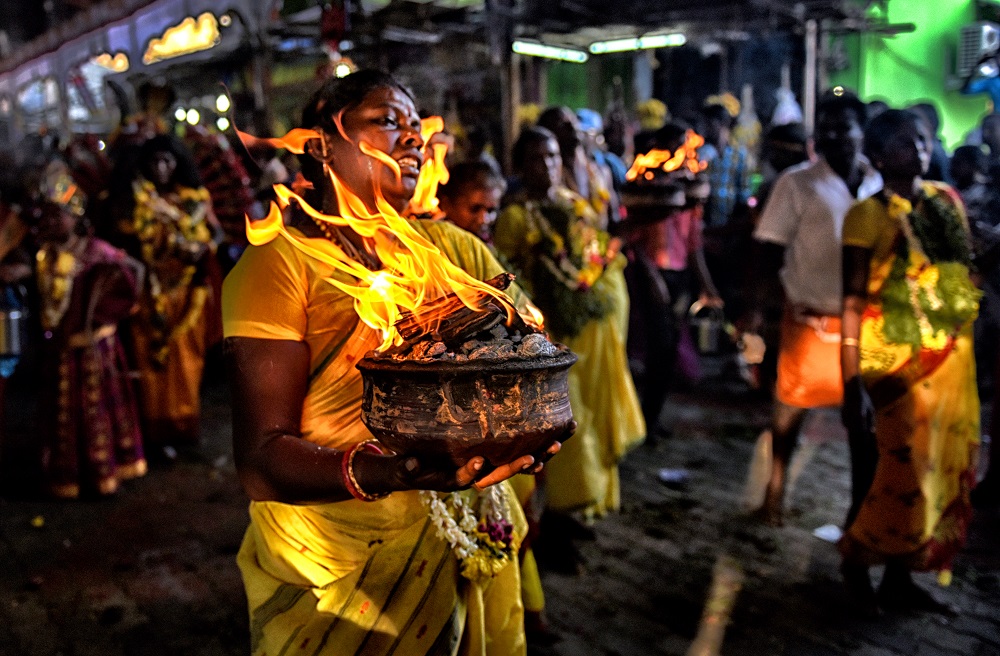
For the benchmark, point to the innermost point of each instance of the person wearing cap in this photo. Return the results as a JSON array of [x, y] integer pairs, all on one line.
[[592, 126], [90, 426], [798, 238]]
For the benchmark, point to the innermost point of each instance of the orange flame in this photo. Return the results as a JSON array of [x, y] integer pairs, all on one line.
[[534, 317], [433, 172], [413, 271], [686, 156], [294, 141]]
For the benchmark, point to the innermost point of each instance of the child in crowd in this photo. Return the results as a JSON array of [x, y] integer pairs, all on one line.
[[89, 421], [471, 198]]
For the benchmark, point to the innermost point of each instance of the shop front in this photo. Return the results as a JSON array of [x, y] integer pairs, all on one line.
[[88, 83]]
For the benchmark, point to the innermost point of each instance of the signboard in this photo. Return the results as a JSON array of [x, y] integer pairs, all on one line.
[[189, 36]]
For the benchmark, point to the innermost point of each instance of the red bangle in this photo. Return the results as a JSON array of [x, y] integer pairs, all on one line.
[[347, 470]]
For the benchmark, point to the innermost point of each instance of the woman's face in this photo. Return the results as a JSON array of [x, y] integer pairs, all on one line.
[[386, 120], [907, 153], [542, 165], [162, 168]]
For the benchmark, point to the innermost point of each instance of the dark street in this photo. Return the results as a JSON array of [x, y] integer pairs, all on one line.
[[152, 570]]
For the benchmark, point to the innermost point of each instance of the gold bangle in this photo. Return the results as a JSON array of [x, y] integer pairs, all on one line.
[[348, 467], [849, 341]]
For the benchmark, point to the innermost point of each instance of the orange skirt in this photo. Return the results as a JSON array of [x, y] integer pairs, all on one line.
[[809, 361]]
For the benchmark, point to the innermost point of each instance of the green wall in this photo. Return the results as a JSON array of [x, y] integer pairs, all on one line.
[[914, 67], [588, 84]]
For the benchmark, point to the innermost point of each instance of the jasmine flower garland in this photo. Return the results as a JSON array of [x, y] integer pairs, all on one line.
[[482, 542]]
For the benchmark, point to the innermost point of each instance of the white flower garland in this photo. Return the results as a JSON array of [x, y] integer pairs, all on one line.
[[460, 533]]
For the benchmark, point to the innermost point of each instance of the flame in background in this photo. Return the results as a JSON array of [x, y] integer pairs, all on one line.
[[294, 141], [413, 271], [433, 172], [686, 156]]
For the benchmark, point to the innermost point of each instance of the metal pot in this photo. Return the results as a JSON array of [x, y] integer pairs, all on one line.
[[708, 324], [500, 410]]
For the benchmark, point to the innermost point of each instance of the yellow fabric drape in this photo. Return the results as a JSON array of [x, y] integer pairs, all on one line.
[[354, 577]]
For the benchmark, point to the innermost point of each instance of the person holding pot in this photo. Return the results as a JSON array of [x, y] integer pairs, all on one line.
[[343, 555], [553, 240], [663, 235]]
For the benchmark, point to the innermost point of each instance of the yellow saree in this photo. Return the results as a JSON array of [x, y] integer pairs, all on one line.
[[584, 476], [355, 577], [917, 364], [168, 337]]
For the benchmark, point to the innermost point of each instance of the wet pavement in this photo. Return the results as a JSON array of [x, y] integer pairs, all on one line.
[[681, 570]]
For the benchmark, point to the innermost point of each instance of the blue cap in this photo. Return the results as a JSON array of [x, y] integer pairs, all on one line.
[[590, 121]]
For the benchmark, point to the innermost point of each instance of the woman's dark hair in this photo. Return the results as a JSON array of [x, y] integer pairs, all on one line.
[[339, 93], [553, 116], [668, 137], [787, 133], [186, 173], [718, 113], [530, 136], [884, 127], [930, 114], [470, 174]]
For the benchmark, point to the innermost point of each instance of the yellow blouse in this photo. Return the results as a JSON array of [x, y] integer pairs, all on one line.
[[277, 292]]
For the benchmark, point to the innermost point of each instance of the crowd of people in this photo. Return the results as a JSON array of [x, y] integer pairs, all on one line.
[[859, 256], [114, 252]]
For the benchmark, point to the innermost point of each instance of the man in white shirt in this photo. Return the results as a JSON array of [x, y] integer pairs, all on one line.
[[799, 234]]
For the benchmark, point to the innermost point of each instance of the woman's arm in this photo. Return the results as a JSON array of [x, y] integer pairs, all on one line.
[[857, 413], [268, 379]]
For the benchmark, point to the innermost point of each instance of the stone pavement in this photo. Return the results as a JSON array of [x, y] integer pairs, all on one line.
[[650, 571], [151, 571]]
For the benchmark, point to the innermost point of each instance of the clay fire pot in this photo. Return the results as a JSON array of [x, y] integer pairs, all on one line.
[[500, 410]]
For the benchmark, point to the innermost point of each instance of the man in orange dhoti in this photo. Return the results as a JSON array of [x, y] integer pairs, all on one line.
[[799, 232]]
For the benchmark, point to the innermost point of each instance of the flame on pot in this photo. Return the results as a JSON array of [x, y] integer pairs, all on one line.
[[433, 172], [684, 157], [534, 318], [413, 271]]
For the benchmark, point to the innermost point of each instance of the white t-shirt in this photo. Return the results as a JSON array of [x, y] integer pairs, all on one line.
[[805, 214]]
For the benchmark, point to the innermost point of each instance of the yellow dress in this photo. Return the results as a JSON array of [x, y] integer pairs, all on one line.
[[354, 577], [584, 476], [925, 396], [169, 333]]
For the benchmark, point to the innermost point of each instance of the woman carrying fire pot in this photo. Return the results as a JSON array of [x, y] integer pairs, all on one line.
[[343, 555]]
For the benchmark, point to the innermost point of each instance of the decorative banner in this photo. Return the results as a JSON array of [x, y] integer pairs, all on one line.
[[189, 36]]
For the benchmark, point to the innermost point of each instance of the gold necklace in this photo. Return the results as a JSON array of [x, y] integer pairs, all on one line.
[[350, 248], [57, 269]]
